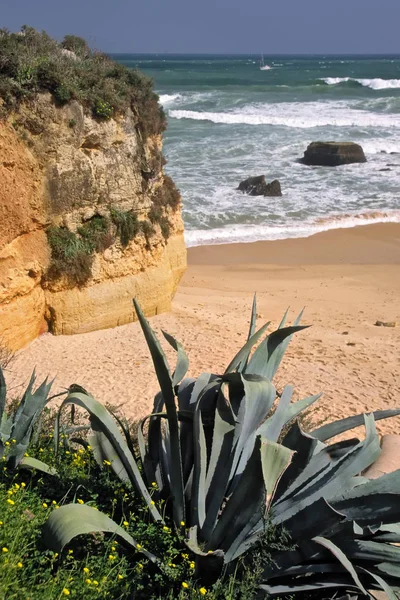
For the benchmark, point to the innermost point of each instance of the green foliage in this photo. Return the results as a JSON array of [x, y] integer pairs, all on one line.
[[71, 256], [17, 424], [32, 62], [167, 194], [165, 227], [96, 233], [215, 470], [127, 224]]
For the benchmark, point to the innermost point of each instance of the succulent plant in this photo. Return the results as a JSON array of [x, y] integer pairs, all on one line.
[[17, 427], [227, 456]]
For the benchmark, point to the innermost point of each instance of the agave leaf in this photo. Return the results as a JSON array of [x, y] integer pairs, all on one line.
[[199, 471], [334, 477], [267, 357], [259, 395], [182, 363], [370, 551], [164, 378], [320, 518], [305, 446], [342, 558], [325, 432], [103, 450], [275, 459], [3, 394], [102, 421], [272, 427], [382, 584], [294, 409], [72, 520], [28, 462], [244, 352], [220, 462], [309, 584], [252, 330], [241, 506]]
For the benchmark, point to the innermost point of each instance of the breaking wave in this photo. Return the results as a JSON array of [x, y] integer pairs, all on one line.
[[374, 84]]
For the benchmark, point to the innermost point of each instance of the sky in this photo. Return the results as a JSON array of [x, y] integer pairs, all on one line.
[[216, 26]]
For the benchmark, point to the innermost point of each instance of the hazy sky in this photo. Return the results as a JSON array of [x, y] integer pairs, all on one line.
[[216, 26]]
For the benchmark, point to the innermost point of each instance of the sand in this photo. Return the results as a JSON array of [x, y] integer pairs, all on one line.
[[346, 279]]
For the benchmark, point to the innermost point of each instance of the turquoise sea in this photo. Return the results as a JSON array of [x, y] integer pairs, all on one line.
[[228, 120]]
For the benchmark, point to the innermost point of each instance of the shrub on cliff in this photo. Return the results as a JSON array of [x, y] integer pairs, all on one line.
[[32, 62]]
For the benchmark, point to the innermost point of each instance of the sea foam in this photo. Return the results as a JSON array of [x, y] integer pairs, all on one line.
[[303, 115], [374, 84]]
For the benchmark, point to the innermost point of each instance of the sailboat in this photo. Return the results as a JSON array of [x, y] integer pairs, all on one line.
[[263, 66]]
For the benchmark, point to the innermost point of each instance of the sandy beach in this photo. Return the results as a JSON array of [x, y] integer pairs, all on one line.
[[346, 279]]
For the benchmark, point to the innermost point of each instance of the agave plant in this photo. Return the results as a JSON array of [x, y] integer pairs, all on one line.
[[17, 427], [214, 447]]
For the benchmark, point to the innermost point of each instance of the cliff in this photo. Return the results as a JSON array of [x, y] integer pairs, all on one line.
[[88, 219]]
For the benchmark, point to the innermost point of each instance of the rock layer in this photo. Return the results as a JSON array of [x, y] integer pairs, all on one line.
[[59, 166], [333, 154]]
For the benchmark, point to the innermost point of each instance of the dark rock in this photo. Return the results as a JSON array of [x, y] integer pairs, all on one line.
[[257, 186], [385, 169], [386, 324], [333, 154]]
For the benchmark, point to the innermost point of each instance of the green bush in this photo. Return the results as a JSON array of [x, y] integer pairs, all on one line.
[[96, 233], [167, 194], [32, 62], [71, 256], [127, 224]]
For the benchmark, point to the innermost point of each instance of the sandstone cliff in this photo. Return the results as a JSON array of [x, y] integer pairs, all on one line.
[[62, 170]]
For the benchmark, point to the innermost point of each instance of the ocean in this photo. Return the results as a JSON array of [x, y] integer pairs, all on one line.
[[229, 120]]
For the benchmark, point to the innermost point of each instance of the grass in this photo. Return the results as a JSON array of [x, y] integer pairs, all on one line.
[[32, 62]]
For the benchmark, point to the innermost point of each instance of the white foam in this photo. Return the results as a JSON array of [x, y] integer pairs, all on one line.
[[303, 115], [374, 84], [253, 233], [167, 99]]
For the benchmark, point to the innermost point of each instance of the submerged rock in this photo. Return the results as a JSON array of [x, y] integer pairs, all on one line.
[[257, 186], [333, 154]]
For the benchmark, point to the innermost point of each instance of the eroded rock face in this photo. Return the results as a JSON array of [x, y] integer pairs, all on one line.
[[59, 166], [257, 186], [333, 154]]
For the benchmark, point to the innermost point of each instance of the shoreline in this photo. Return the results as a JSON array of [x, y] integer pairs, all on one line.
[[379, 242], [346, 279]]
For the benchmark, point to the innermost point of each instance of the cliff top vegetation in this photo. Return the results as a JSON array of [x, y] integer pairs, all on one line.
[[32, 62]]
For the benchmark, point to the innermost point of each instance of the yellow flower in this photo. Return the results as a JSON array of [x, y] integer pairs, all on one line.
[[111, 557], [19, 565], [67, 452], [66, 592], [26, 454], [86, 570], [14, 441], [192, 565], [88, 447], [113, 548], [203, 591], [23, 484], [56, 506], [140, 566], [40, 449], [154, 485], [185, 585], [70, 551], [7, 443], [55, 554], [88, 581], [182, 523], [125, 523], [1, 523], [17, 486], [95, 582], [11, 502], [107, 463], [167, 529], [80, 501], [152, 502], [120, 576], [185, 556], [4, 550], [45, 505], [138, 546]]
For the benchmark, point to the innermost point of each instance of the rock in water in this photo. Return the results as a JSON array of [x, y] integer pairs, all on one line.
[[257, 186], [333, 154]]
